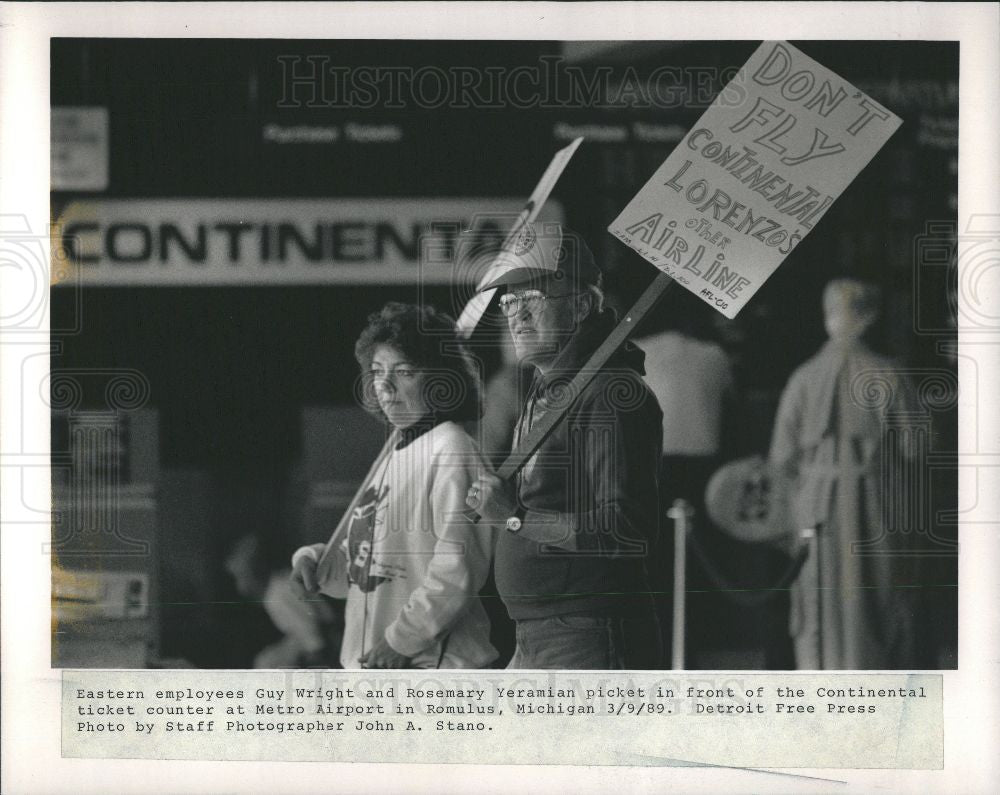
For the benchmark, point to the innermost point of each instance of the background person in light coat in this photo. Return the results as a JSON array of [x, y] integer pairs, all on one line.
[[832, 436]]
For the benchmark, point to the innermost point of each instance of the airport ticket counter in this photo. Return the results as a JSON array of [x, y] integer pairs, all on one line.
[[104, 534]]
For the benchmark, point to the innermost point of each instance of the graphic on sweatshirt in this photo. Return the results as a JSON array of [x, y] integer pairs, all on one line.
[[360, 537]]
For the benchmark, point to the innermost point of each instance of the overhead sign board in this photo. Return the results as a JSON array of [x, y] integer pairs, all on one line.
[[79, 148], [268, 241]]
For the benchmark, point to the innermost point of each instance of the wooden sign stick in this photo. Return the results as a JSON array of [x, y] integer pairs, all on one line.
[[541, 429], [325, 571]]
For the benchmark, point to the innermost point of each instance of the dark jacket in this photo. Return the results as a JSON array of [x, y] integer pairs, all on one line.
[[589, 496]]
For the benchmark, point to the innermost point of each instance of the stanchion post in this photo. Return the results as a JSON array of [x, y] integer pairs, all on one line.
[[811, 536], [681, 513]]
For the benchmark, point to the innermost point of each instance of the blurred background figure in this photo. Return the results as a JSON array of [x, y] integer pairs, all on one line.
[[503, 397], [311, 630], [692, 378], [830, 435]]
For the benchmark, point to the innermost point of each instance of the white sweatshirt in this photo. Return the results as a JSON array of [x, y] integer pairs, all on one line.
[[414, 574]]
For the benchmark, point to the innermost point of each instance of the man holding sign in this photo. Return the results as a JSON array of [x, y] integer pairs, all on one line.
[[746, 185], [578, 525]]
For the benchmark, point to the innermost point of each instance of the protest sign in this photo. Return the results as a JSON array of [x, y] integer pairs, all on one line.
[[783, 139], [754, 176], [474, 309]]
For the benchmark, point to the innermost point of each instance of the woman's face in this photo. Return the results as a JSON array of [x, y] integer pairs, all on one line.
[[398, 385]]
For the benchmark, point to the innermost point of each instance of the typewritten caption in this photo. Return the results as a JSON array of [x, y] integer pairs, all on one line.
[[598, 718]]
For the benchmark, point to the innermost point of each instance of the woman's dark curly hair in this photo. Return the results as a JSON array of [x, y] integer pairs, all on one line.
[[429, 339]]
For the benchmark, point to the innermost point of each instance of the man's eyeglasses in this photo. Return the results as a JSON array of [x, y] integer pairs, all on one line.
[[531, 300]]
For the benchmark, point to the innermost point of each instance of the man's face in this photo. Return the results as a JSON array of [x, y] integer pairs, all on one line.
[[542, 317]]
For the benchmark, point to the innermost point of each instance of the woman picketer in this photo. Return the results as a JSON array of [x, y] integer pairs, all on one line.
[[410, 564]]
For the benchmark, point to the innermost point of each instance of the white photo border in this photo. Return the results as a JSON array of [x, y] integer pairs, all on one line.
[[31, 688]]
